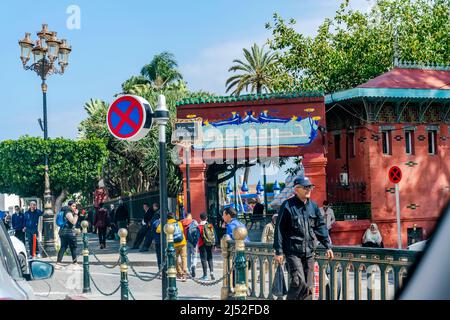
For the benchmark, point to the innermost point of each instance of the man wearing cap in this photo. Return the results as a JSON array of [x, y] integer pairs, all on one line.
[[298, 225]]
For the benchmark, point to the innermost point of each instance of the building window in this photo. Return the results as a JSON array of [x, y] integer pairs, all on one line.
[[432, 142], [386, 140], [337, 146], [351, 144], [409, 142]]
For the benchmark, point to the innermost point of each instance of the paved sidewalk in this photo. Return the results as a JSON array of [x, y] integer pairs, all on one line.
[[68, 282]]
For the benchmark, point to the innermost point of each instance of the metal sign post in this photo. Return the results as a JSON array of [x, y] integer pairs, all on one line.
[[395, 176], [397, 204]]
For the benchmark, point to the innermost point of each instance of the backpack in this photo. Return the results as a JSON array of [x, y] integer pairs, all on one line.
[[209, 236], [193, 233], [61, 218], [177, 235]]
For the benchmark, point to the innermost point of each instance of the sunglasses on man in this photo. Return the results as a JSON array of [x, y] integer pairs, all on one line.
[[305, 188]]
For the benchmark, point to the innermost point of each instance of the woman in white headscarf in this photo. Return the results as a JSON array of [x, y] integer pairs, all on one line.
[[372, 237]]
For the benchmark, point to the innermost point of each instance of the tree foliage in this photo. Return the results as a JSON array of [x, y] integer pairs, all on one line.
[[161, 71], [133, 167], [256, 71], [74, 166], [355, 47]]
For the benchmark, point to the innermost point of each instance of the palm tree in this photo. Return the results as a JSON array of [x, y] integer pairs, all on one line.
[[256, 75], [162, 70], [256, 71]]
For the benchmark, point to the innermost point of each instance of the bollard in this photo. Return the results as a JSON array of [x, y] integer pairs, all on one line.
[[33, 253], [123, 233], [240, 289], [172, 291], [225, 291], [86, 279]]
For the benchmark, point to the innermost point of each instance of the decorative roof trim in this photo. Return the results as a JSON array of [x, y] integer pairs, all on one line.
[[421, 65], [356, 93], [250, 97]]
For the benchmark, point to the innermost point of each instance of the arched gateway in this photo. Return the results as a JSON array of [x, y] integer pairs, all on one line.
[[238, 131]]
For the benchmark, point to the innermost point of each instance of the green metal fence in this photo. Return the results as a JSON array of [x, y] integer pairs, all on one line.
[[355, 273], [134, 203]]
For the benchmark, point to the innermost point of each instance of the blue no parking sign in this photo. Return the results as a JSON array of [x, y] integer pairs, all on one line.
[[129, 118]]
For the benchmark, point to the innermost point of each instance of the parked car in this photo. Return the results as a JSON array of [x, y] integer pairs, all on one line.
[[418, 246], [21, 251], [13, 282]]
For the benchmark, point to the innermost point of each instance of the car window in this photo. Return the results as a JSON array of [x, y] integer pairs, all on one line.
[[8, 255]]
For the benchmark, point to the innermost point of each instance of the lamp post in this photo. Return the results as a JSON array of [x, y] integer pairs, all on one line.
[[161, 118], [46, 52]]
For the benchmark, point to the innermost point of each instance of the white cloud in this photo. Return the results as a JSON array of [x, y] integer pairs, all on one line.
[[209, 70]]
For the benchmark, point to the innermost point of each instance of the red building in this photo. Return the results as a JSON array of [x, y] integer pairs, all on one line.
[[400, 118]]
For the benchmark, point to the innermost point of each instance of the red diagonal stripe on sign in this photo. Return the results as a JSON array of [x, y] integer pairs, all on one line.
[[125, 117]]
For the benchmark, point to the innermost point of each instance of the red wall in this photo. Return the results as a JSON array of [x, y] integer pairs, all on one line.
[[426, 183]]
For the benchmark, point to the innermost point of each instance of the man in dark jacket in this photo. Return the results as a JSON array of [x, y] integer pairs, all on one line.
[[145, 225], [299, 223], [18, 223], [122, 216], [31, 226], [149, 235]]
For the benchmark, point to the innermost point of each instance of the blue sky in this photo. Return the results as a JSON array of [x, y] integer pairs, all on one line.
[[117, 38]]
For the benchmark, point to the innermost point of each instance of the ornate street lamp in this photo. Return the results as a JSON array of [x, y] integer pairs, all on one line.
[[46, 52]]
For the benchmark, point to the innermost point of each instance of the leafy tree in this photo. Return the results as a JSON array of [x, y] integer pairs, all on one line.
[[355, 47], [133, 167], [74, 166], [256, 71], [161, 71]]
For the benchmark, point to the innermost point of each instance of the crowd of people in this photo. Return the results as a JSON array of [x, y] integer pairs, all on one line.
[[194, 238]]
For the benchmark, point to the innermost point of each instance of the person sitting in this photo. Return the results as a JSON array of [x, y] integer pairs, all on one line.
[[372, 237]]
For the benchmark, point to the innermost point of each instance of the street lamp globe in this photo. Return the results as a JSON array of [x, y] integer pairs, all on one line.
[[38, 52], [26, 45], [43, 35], [53, 47], [64, 51]]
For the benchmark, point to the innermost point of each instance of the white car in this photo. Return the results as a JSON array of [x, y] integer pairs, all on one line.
[[21, 251], [418, 246], [13, 283]]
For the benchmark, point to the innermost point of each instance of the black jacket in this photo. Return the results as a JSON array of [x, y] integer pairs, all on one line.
[[298, 228], [122, 214]]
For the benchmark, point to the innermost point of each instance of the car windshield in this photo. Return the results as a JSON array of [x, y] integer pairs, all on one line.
[[7, 254]]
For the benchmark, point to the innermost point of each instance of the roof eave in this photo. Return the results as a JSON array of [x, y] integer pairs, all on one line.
[[393, 93]]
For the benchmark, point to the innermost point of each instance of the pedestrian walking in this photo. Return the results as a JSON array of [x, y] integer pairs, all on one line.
[[18, 223], [269, 230], [267, 237], [298, 225], [206, 244], [328, 215], [68, 234], [113, 226], [179, 243], [192, 234], [101, 222], [31, 226], [122, 216], [156, 235], [149, 235], [229, 216]]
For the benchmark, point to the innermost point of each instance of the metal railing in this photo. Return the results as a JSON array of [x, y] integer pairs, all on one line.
[[355, 273]]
